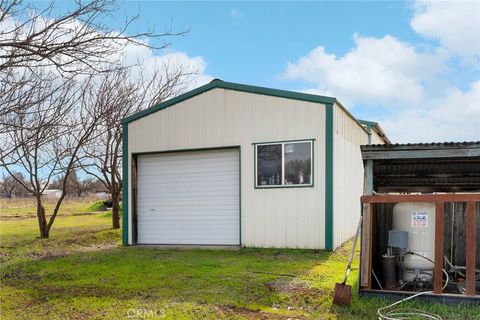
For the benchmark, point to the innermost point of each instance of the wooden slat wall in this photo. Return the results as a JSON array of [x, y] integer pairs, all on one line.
[[477, 235], [437, 285], [382, 223], [455, 223], [471, 217]]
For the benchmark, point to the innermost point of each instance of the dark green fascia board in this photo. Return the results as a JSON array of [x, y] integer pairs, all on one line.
[[231, 86], [368, 123], [125, 184], [329, 176]]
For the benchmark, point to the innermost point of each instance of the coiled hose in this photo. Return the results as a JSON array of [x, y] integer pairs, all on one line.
[[406, 313]]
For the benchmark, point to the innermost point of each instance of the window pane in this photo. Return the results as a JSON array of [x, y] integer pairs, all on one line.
[[269, 165], [298, 163]]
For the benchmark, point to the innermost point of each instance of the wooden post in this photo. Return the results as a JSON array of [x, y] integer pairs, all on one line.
[[366, 259], [471, 217], [438, 273]]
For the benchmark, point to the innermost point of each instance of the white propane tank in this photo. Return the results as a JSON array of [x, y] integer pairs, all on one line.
[[418, 219]]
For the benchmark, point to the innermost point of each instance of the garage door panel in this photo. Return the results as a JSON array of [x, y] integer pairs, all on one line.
[[186, 203], [192, 211], [182, 173], [187, 181], [169, 193], [194, 230], [189, 198], [150, 205], [152, 219]]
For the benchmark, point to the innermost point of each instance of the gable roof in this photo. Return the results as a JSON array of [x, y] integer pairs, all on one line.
[[217, 83]]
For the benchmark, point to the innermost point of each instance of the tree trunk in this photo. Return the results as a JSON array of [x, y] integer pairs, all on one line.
[[10, 193], [115, 210], [42, 220]]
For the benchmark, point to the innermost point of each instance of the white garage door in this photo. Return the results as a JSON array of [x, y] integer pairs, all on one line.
[[189, 198]]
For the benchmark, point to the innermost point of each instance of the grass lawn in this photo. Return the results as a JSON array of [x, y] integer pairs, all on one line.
[[82, 272], [26, 207]]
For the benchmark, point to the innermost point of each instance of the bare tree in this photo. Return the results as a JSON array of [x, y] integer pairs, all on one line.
[[79, 186], [49, 137], [45, 121], [125, 92], [35, 36], [10, 186], [23, 90], [75, 41]]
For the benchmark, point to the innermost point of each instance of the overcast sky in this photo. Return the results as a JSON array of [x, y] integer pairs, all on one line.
[[413, 66]]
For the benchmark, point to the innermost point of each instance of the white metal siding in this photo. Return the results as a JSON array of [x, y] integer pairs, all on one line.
[[376, 139], [189, 198], [347, 176], [294, 217]]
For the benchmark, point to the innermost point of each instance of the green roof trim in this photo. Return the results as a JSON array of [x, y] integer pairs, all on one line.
[[214, 84], [368, 123]]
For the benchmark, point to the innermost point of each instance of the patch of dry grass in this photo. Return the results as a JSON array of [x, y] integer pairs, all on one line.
[[26, 207]]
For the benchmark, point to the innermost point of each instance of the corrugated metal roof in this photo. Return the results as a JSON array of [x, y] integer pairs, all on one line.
[[429, 145], [425, 167]]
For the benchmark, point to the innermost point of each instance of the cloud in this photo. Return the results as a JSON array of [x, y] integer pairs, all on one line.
[[127, 53], [456, 24], [418, 92], [170, 61], [454, 116], [236, 14], [384, 70]]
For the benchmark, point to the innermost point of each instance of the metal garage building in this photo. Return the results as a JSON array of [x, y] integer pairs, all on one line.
[[232, 164]]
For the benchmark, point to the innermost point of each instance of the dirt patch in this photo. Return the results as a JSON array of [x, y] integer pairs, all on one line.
[[97, 247], [253, 314], [17, 275], [48, 255], [287, 285]]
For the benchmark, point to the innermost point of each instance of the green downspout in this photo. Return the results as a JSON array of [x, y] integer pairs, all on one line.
[[369, 130]]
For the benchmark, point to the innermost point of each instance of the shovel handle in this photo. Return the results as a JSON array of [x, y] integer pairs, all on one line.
[[352, 252]]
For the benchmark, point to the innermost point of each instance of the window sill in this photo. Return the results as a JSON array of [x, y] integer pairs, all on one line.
[[285, 187]]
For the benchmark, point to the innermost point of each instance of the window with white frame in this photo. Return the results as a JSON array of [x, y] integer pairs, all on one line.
[[284, 164]]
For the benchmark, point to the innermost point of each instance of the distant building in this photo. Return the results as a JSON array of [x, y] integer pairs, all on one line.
[[52, 193]]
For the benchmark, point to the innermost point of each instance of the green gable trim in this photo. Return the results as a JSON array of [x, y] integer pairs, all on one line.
[[125, 185], [368, 123], [329, 176], [231, 86]]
